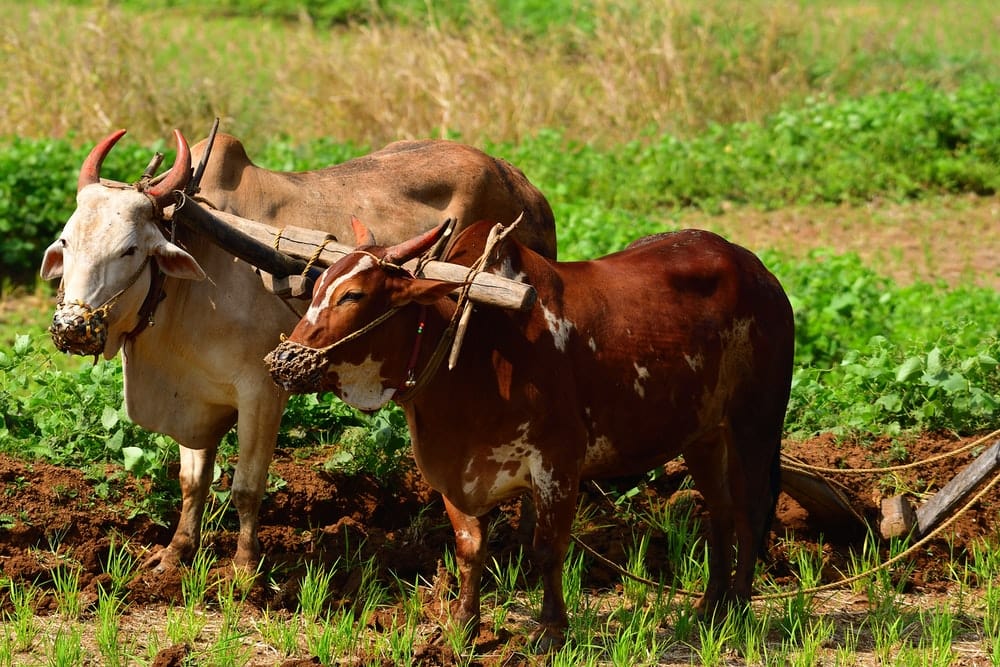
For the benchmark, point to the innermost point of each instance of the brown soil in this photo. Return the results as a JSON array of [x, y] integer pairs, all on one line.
[[51, 515]]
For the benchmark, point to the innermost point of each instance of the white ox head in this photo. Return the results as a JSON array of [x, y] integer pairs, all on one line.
[[109, 252]]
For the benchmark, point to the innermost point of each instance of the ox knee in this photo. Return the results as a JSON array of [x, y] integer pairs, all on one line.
[[247, 503]]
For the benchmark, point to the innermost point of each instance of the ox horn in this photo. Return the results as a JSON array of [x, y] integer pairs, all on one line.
[[90, 172], [177, 177], [407, 250]]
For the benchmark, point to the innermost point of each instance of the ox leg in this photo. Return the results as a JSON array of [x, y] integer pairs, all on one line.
[[760, 461], [197, 466], [470, 551], [257, 430], [555, 508], [711, 469]]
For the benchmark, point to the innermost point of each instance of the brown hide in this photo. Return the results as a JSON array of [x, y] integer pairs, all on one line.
[[680, 344]]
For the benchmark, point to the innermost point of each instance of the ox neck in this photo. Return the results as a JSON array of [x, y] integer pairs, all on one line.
[[413, 384], [153, 298]]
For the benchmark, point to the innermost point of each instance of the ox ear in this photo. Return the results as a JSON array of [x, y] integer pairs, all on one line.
[[52, 263], [423, 291], [175, 262], [362, 234]]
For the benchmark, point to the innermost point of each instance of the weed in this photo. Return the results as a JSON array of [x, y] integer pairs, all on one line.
[[66, 580], [67, 651], [194, 578], [185, 624], [108, 614], [314, 590], [21, 622], [280, 630], [120, 566]]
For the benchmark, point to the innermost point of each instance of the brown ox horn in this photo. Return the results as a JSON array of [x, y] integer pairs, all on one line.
[[177, 177], [407, 250], [90, 172]]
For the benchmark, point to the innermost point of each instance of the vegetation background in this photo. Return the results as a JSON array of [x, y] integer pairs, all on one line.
[[854, 145]]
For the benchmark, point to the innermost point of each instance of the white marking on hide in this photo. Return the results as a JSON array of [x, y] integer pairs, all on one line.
[[736, 359], [600, 450], [695, 362], [517, 451], [528, 470], [506, 269], [465, 536], [642, 373], [312, 315], [592, 344], [559, 328], [362, 385], [545, 486]]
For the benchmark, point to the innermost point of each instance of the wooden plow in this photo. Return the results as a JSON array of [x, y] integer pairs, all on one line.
[[901, 518]]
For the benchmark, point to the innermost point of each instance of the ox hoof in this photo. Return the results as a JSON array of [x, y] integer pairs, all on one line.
[[162, 561], [716, 611], [464, 623], [547, 639]]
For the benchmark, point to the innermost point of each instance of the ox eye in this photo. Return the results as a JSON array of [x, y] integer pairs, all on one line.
[[349, 297], [130, 251]]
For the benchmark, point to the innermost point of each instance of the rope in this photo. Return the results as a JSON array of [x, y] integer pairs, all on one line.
[[825, 587], [801, 465], [315, 256]]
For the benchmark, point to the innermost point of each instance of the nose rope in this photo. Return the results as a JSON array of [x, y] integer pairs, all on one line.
[[102, 310], [86, 331]]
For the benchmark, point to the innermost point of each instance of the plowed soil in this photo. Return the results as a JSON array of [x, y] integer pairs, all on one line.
[[53, 515]]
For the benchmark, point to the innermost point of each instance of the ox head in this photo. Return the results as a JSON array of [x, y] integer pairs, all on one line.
[[104, 253], [346, 342]]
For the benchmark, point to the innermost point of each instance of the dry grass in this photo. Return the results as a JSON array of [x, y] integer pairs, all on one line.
[[950, 240], [668, 66]]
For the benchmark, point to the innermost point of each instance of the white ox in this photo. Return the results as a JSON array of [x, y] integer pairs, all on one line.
[[199, 370]]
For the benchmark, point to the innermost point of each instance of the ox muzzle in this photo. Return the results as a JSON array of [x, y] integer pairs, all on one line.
[[299, 369], [79, 329]]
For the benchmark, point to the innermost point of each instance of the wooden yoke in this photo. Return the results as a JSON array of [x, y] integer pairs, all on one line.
[[291, 258]]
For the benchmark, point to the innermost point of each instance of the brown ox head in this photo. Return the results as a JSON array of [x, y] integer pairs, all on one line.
[[105, 252], [355, 339]]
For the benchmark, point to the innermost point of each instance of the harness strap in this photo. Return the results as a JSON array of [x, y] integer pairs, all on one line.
[[153, 298]]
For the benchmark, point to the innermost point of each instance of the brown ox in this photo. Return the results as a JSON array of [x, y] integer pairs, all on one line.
[[679, 345], [199, 370]]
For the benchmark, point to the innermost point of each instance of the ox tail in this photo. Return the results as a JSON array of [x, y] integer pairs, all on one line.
[[775, 491]]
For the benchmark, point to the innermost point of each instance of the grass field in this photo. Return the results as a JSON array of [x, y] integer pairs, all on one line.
[[615, 73]]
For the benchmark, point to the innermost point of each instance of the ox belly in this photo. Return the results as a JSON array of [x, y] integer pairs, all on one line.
[[481, 473]]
